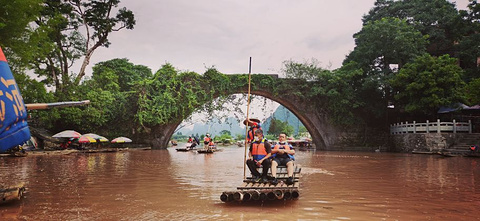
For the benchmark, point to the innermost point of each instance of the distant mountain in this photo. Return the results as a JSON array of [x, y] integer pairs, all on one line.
[[231, 124], [283, 114], [214, 128]]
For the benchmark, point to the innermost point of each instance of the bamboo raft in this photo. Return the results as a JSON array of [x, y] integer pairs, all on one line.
[[8, 194], [259, 191], [211, 150], [185, 149]]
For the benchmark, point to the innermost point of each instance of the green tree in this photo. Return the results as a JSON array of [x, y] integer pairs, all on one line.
[[15, 15], [225, 132], [240, 136], [119, 74], [278, 126], [338, 91], [472, 92], [428, 83], [169, 96], [439, 20], [468, 48], [379, 45], [60, 43], [385, 42], [16, 36]]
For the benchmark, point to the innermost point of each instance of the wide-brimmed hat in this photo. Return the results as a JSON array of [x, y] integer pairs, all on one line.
[[251, 119]]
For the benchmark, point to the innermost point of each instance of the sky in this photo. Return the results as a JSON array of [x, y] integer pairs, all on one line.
[[195, 35]]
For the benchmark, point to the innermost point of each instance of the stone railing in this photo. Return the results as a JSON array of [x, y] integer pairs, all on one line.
[[431, 127]]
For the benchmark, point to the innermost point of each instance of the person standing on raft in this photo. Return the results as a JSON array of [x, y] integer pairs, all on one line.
[[254, 125]]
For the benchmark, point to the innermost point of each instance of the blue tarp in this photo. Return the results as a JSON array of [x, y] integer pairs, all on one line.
[[458, 106], [13, 114]]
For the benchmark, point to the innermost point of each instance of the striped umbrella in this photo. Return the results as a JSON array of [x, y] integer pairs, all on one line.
[[121, 140], [68, 134], [86, 139], [97, 137]]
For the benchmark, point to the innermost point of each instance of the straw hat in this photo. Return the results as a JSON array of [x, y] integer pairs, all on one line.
[[251, 119]]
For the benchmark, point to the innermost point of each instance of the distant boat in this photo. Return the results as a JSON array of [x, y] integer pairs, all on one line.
[[12, 193], [209, 150], [423, 152], [187, 148]]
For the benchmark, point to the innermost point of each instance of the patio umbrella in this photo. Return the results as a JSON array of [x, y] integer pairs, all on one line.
[[86, 139], [97, 137], [68, 134], [121, 140]]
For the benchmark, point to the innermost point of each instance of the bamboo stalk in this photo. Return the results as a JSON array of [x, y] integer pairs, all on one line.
[[248, 109]]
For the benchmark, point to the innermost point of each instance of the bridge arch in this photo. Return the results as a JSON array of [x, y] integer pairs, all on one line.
[[322, 132]]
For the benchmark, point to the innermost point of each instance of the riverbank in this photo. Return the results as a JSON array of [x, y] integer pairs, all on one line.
[[75, 151]]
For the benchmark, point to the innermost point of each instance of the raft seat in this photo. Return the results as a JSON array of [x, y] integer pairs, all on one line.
[[282, 170], [282, 175]]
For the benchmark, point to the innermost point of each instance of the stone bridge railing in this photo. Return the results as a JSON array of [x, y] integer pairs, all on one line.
[[431, 127]]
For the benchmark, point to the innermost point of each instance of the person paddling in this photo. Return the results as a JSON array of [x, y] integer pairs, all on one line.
[[254, 125]]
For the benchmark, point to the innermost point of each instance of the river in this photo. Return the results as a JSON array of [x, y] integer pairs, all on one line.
[[171, 185]]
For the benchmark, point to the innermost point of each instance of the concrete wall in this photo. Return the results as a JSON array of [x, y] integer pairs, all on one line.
[[361, 139], [432, 141]]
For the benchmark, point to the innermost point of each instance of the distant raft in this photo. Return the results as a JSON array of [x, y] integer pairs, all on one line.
[[209, 150], [12, 193], [259, 191]]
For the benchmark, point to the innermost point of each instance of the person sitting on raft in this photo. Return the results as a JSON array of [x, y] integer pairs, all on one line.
[[259, 154], [206, 141], [212, 145], [283, 156]]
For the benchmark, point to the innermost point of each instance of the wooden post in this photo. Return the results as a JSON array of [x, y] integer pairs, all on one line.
[[454, 126], [428, 128], [438, 125], [414, 127]]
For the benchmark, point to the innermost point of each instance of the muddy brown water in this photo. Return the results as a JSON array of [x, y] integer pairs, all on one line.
[[171, 185]]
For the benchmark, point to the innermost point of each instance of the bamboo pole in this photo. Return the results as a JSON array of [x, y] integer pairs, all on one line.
[[246, 126], [40, 106]]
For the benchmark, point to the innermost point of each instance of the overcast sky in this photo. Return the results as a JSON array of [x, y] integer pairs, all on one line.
[[193, 35]]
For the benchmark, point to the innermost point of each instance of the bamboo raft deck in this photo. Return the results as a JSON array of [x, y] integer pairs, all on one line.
[[259, 191], [12, 193]]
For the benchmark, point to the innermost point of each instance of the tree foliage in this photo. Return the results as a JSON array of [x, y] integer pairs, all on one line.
[[428, 83], [278, 126], [64, 33], [472, 92], [439, 20], [15, 32]]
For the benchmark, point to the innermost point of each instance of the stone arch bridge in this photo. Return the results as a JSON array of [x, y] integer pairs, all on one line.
[[314, 118]]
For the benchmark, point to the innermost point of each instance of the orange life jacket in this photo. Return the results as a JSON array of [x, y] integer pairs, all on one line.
[[251, 132], [258, 150], [207, 139]]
